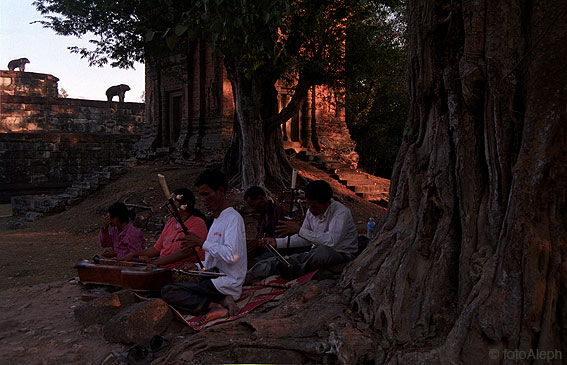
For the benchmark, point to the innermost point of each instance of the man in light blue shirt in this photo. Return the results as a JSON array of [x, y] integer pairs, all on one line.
[[328, 228]]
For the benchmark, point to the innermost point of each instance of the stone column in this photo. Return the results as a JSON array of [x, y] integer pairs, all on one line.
[[307, 117], [285, 126]]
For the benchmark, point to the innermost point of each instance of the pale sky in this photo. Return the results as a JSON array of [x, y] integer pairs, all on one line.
[[48, 54]]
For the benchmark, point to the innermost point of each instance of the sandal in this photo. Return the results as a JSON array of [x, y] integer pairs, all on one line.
[[138, 355], [158, 345]]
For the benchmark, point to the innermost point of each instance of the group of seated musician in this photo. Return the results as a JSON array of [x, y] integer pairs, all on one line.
[[328, 230]]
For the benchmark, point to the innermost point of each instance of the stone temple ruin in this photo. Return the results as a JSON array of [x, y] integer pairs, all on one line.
[[190, 114], [62, 148], [190, 106]]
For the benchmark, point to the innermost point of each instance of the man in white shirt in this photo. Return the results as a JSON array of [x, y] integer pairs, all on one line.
[[328, 228], [225, 250]]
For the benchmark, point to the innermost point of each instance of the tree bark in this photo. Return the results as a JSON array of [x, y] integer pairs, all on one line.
[[472, 256], [256, 153]]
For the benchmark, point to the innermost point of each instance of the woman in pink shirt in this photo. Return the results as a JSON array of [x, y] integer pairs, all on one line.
[[119, 234], [168, 245]]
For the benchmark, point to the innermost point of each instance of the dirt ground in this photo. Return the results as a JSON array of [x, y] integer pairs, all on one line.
[[38, 288]]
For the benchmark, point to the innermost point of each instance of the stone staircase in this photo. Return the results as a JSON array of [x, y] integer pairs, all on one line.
[[32, 207], [367, 186]]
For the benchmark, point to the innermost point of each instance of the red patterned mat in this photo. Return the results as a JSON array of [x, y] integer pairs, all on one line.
[[271, 288]]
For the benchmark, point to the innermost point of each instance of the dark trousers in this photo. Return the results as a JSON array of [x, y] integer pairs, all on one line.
[[191, 298], [317, 258]]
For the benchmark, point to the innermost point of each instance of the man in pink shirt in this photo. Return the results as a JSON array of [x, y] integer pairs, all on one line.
[[118, 233], [168, 245]]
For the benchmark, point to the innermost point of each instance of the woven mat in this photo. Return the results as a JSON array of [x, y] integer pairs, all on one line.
[[271, 288]]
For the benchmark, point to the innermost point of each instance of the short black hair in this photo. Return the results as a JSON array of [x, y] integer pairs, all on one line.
[[254, 192], [188, 198], [214, 178], [319, 190], [121, 211]]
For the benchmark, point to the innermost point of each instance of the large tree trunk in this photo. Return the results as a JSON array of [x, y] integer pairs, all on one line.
[[256, 153], [472, 256]]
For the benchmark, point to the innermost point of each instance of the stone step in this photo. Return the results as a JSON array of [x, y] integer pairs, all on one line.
[[368, 188], [128, 162], [103, 176], [331, 166], [34, 206], [352, 180], [31, 216], [116, 170], [348, 170], [69, 199], [162, 151], [307, 155], [374, 196], [93, 182], [20, 204], [85, 185], [75, 192]]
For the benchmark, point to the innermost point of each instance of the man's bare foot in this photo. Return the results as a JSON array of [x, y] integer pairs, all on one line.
[[228, 303], [215, 311]]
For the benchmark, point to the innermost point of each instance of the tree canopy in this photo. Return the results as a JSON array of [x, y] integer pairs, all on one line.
[[261, 42]]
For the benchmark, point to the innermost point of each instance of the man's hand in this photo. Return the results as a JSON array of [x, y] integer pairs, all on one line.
[[109, 252], [146, 259], [188, 266], [189, 241], [287, 228], [125, 258], [268, 241]]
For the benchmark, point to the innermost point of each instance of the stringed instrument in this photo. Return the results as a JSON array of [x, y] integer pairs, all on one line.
[[128, 275], [135, 275]]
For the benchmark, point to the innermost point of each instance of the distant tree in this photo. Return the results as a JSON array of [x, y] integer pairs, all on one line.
[[377, 101]]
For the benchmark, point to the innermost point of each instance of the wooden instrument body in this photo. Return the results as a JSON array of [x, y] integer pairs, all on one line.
[[127, 275]]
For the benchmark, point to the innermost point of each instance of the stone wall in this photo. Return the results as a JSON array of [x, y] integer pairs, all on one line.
[[28, 84], [47, 143], [30, 113], [29, 102], [48, 162]]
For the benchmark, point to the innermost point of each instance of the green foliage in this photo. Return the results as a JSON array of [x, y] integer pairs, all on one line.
[[377, 103], [276, 37], [272, 38], [121, 31]]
